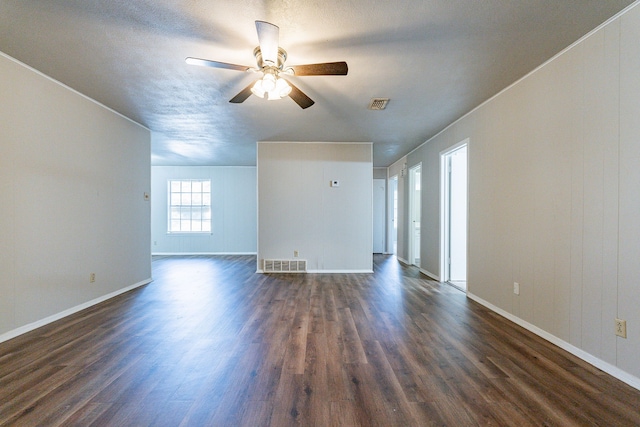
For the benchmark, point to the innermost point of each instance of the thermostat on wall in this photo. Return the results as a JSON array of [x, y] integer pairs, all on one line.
[[335, 183]]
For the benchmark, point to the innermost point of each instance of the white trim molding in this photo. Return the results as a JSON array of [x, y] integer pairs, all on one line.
[[587, 357], [42, 322], [260, 271], [429, 274], [402, 260], [340, 271], [200, 253]]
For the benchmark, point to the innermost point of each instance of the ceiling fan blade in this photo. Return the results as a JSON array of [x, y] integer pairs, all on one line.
[[243, 95], [324, 69], [299, 97], [216, 64], [268, 38]]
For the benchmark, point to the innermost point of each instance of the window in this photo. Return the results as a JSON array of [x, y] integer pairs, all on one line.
[[189, 206]]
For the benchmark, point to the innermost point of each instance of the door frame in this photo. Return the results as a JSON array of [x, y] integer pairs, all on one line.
[[412, 208], [380, 213], [445, 225], [392, 214]]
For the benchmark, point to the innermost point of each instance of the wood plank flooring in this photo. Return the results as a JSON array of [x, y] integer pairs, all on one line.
[[211, 343]]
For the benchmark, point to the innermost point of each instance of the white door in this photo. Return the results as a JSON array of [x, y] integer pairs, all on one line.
[[379, 194]]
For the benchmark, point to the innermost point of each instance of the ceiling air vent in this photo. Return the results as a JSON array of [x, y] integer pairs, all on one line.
[[378, 103]]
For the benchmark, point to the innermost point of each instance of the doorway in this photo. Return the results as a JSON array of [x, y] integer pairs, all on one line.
[[379, 205], [454, 213], [393, 227], [415, 183]]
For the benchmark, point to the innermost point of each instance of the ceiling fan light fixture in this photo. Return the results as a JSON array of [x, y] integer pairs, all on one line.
[[282, 87], [258, 89], [281, 90], [273, 96], [269, 81], [266, 87]]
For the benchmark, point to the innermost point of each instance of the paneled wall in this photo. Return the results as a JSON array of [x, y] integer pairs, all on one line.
[[233, 205], [554, 178]]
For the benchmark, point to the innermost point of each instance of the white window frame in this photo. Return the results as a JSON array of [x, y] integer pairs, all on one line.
[[189, 206]]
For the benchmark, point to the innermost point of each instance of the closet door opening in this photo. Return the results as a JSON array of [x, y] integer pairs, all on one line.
[[454, 166], [415, 183], [393, 203]]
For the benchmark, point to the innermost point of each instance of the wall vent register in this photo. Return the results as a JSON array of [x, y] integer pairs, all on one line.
[[285, 266], [378, 103]]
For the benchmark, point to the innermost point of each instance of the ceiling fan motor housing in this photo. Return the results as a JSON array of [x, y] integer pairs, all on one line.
[[282, 57]]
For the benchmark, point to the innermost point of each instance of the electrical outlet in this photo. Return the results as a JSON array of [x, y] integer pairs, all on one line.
[[295, 254], [621, 328], [92, 277], [516, 288]]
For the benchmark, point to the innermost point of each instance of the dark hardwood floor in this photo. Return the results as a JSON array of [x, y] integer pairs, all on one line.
[[210, 343]]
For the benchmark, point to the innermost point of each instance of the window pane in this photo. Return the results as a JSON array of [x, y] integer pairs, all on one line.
[[189, 206]]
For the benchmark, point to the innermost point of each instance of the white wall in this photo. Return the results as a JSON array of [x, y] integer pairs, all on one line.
[[72, 181], [554, 179], [234, 204], [298, 210]]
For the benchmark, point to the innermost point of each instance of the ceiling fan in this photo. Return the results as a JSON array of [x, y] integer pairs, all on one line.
[[270, 59]]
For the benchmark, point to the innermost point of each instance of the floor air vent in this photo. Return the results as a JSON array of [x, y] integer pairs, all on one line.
[[285, 266]]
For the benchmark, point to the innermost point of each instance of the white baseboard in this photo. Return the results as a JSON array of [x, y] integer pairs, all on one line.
[[37, 324], [431, 275], [320, 272], [339, 271], [200, 253], [422, 270], [578, 352], [402, 260]]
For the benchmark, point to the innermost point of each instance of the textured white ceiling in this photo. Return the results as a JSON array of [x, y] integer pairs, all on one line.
[[435, 59]]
